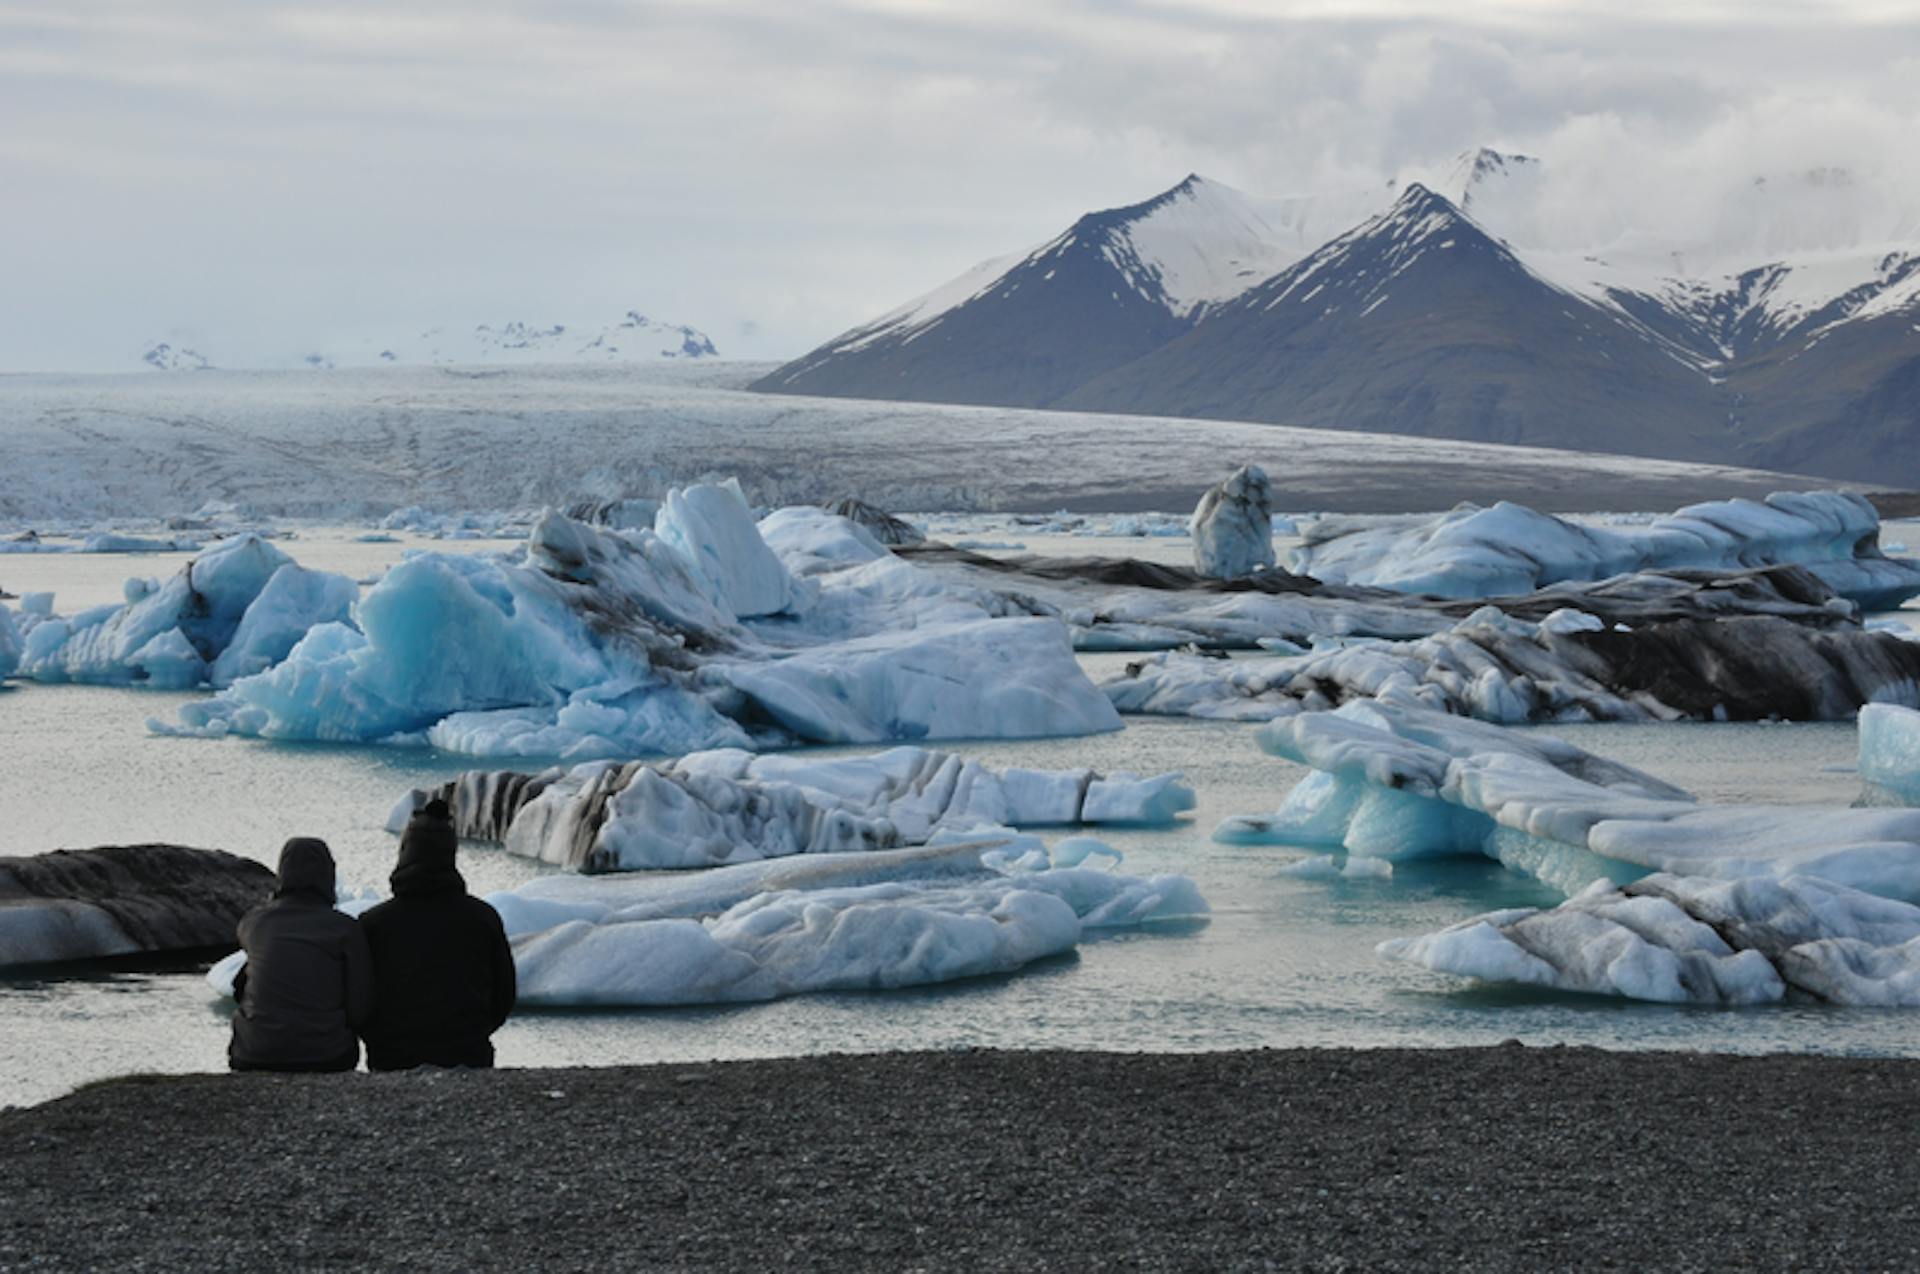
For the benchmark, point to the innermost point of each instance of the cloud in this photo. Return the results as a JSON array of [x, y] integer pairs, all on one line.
[[269, 172]]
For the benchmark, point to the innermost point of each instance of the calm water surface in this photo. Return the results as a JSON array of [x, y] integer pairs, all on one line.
[[1281, 962]]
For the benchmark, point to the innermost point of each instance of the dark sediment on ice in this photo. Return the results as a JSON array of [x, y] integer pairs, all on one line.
[[1499, 1159], [75, 904]]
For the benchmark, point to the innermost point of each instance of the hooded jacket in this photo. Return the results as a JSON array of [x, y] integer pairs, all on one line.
[[308, 982], [442, 967]]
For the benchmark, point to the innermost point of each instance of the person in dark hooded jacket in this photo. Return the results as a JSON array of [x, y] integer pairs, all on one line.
[[308, 981], [442, 968]]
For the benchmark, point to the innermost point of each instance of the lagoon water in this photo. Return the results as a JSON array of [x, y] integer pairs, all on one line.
[[1280, 962]]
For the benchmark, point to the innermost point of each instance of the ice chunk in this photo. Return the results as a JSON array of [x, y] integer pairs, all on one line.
[[1398, 782], [1686, 939], [294, 600], [9, 643], [1232, 526], [1509, 549], [712, 528], [835, 922], [730, 806], [1890, 749], [167, 634]]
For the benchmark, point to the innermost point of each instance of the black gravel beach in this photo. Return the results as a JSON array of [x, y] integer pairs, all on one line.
[[1503, 1158]]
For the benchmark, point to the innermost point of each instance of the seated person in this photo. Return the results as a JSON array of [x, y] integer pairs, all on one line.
[[308, 982]]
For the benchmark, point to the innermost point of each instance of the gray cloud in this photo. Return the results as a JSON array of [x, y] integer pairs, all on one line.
[[267, 176]]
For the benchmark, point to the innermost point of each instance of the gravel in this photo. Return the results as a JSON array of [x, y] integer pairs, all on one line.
[[1504, 1158]]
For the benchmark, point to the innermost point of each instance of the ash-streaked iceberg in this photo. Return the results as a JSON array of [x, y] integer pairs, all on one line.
[[732, 806], [1571, 666], [1397, 782], [1232, 526], [1508, 549], [90, 904], [237, 606], [600, 644], [1684, 939]]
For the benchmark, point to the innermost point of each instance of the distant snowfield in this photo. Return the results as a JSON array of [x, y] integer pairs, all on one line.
[[359, 442]]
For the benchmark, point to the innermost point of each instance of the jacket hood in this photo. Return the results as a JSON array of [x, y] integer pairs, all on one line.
[[427, 848], [306, 867]]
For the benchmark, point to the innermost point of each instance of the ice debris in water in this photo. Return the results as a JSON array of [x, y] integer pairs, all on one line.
[[731, 806], [1686, 939], [235, 608], [989, 902], [1232, 526], [693, 635], [1398, 783], [1508, 549]]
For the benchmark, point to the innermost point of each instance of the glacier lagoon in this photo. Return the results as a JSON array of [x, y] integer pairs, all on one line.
[[1279, 962]]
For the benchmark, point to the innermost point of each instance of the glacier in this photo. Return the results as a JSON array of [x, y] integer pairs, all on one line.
[[966, 907], [729, 806], [1474, 552], [1394, 783]]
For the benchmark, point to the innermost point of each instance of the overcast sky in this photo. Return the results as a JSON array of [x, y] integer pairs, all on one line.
[[264, 178]]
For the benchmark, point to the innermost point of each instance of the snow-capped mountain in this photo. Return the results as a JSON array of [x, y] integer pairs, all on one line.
[[1461, 304], [1027, 328], [633, 337]]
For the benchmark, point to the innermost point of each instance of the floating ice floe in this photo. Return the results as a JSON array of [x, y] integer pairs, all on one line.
[[94, 903], [696, 635], [1473, 552], [829, 922], [1684, 939], [235, 608], [1397, 782], [1571, 666], [731, 806], [1889, 749], [1232, 526], [965, 908]]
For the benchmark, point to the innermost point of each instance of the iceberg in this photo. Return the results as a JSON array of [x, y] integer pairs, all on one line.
[[1571, 666], [597, 644], [94, 903], [730, 806], [883, 526], [1889, 750], [178, 634], [1232, 526], [829, 922], [1686, 940], [1508, 549], [9, 644], [1396, 782]]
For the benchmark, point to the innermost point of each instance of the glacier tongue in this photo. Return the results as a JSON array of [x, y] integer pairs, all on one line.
[[730, 806]]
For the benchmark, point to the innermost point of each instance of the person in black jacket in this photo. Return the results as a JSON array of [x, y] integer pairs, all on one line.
[[442, 969], [308, 982]]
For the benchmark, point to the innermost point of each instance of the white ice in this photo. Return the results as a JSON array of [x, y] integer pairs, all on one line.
[[1397, 782], [1508, 549], [731, 806], [1232, 526], [235, 605], [1890, 749], [1686, 939]]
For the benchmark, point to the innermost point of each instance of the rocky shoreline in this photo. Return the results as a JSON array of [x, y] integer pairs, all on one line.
[[1497, 1158]]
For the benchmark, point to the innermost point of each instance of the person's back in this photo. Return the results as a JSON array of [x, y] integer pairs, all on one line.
[[442, 967], [307, 985]]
